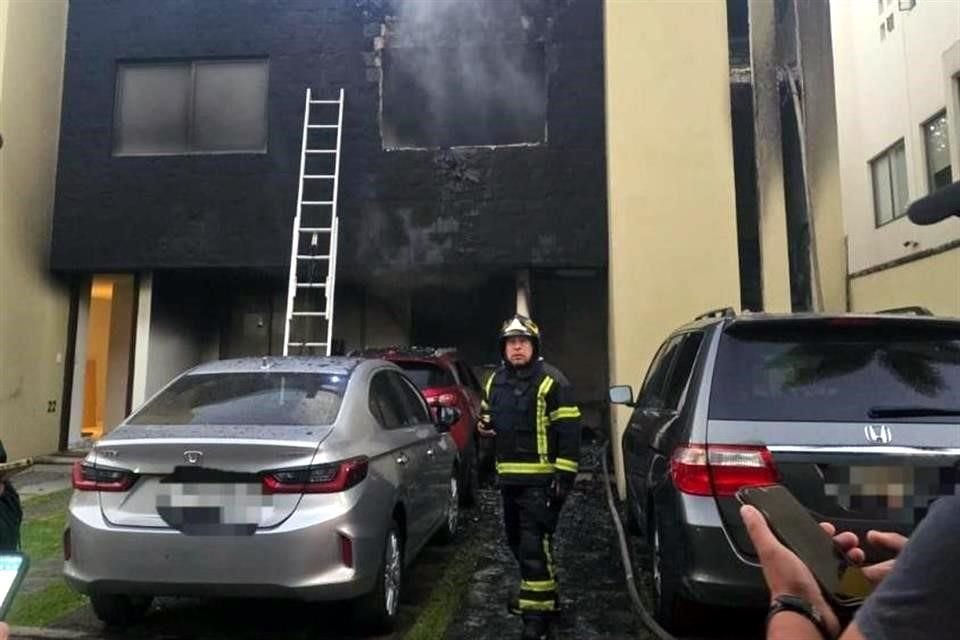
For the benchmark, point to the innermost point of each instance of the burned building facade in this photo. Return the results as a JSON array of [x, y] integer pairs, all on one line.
[[472, 176]]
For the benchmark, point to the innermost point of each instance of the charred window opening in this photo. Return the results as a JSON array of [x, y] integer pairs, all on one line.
[[469, 95]]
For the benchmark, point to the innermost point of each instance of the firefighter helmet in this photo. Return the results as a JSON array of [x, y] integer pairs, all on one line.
[[521, 326]]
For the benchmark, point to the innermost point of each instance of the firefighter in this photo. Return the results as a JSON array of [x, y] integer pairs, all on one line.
[[528, 409]]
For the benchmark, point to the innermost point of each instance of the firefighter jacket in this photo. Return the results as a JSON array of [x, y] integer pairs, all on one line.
[[536, 421]]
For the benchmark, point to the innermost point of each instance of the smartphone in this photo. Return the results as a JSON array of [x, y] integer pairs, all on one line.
[[13, 568], [842, 583], [9, 468]]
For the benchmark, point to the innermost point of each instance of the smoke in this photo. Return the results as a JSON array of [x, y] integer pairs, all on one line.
[[464, 72]]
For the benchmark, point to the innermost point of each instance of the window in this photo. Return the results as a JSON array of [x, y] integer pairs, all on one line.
[[682, 370], [426, 375], [936, 139], [385, 404], [246, 398], [428, 101], [652, 393], [414, 408], [837, 373], [206, 106], [890, 194]]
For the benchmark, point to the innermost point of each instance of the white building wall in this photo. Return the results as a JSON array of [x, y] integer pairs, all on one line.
[[885, 90]]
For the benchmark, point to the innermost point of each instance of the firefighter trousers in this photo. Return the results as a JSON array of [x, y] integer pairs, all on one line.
[[529, 522]]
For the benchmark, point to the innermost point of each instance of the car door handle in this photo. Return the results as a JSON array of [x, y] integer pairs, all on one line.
[[402, 459]]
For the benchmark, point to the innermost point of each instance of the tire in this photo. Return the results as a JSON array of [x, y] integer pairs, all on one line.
[[378, 610], [451, 521], [672, 609], [117, 610]]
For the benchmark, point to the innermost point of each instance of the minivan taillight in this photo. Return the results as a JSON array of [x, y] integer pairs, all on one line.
[[323, 478], [87, 477], [721, 470]]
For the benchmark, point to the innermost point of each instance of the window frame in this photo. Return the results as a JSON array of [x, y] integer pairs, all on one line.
[[388, 392], [401, 383], [888, 154], [670, 382], [664, 358], [928, 169], [191, 64]]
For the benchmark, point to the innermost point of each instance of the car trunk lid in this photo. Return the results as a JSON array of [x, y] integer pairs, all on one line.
[[204, 482], [858, 417]]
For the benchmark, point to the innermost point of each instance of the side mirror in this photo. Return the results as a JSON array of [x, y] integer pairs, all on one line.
[[446, 418], [622, 394]]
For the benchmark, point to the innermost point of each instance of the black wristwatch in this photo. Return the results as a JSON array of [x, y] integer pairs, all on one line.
[[802, 606]]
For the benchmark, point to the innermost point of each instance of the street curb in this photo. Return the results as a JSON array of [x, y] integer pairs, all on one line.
[[42, 633]]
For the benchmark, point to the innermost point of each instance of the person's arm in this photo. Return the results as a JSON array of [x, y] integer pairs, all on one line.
[[564, 417], [484, 428]]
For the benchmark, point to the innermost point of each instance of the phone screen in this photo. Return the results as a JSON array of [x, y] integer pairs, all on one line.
[[13, 567], [843, 583]]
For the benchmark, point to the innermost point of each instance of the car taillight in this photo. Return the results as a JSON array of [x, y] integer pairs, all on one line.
[[721, 470], [346, 550], [323, 478], [87, 477], [443, 400]]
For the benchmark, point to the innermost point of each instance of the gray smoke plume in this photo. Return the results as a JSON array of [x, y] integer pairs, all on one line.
[[464, 72]]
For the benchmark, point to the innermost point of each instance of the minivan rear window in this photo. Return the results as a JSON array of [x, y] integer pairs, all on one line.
[[426, 375], [273, 398], [835, 374]]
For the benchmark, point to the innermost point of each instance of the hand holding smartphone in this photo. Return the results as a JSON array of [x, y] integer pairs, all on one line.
[[842, 582], [13, 569]]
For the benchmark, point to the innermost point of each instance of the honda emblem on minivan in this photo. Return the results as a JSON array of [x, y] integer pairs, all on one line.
[[193, 457], [878, 433]]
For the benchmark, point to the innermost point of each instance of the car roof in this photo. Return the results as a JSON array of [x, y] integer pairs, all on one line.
[[806, 318], [335, 365], [412, 354]]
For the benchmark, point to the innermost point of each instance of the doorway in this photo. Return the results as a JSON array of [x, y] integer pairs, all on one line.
[[104, 348]]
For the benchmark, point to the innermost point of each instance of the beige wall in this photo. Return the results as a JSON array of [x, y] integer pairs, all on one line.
[[33, 309], [673, 239], [933, 283], [885, 90]]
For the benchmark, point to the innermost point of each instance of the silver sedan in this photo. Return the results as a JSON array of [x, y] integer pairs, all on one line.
[[308, 478]]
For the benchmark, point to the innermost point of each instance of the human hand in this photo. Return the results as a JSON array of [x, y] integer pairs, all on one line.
[[875, 573], [485, 430], [783, 571], [4, 631], [561, 486]]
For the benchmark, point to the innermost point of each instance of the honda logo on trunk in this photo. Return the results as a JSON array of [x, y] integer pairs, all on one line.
[[193, 457], [878, 434]]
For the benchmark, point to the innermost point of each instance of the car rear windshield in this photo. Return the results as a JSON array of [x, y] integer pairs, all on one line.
[[247, 398], [426, 375], [835, 373]]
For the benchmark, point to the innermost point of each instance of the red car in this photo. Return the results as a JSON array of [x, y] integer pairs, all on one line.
[[445, 380]]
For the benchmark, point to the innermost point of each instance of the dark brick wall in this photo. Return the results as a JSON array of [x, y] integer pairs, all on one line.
[[402, 212]]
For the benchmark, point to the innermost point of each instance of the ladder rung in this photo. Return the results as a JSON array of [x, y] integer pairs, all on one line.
[[324, 102], [315, 229], [309, 313], [319, 177], [318, 202], [321, 150], [321, 126], [312, 285], [313, 257], [308, 344]]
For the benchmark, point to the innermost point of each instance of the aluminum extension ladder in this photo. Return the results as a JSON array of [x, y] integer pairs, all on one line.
[[313, 255]]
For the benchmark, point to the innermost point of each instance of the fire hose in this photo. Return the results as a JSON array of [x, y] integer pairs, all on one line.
[[638, 606]]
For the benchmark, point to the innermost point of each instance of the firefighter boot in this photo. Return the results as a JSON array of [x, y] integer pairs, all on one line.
[[535, 628]]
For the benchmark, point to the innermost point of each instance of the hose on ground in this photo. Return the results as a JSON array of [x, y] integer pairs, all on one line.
[[638, 606]]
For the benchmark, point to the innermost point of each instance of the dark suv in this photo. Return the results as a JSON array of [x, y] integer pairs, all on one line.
[[445, 380], [858, 415]]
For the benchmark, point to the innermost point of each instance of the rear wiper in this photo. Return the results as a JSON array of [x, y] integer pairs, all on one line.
[[910, 412]]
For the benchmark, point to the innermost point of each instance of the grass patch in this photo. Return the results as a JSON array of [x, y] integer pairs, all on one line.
[[446, 596], [43, 607], [42, 538]]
